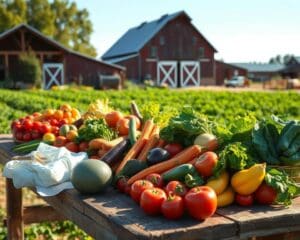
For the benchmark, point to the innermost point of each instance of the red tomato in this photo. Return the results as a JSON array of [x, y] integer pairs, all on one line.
[[27, 124], [19, 135], [36, 134], [137, 120], [138, 187], [45, 128], [83, 146], [112, 118], [173, 148], [36, 125], [205, 163], [123, 126], [17, 126], [60, 141], [62, 122], [244, 200], [152, 199], [156, 179], [72, 147], [14, 123], [201, 202], [53, 122], [172, 207], [55, 130], [122, 184], [27, 137], [265, 194], [177, 188]]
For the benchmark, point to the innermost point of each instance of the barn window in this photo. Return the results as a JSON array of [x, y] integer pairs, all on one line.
[[201, 52], [162, 40], [194, 40], [153, 51]]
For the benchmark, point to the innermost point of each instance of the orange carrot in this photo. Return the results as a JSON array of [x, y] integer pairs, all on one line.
[[139, 144], [151, 143], [161, 143], [181, 158]]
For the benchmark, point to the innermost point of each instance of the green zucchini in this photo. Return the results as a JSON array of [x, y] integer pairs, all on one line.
[[132, 131]]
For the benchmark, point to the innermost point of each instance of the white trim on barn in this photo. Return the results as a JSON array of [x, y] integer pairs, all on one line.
[[189, 72], [167, 68], [56, 77]]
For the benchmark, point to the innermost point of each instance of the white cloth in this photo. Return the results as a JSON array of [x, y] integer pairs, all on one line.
[[56, 169]]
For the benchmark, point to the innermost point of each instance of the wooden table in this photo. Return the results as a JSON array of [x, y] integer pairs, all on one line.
[[115, 216]]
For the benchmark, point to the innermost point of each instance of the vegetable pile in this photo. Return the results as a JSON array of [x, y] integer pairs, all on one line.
[[170, 162]]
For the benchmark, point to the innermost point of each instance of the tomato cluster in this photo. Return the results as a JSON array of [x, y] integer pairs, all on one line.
[[171, 200], [36, 125]]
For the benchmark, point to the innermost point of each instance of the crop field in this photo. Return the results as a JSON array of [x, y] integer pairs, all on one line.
[[220, 106]]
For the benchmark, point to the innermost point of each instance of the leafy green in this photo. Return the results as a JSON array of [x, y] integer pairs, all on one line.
[[95, 128], [285, 187], [185, 127], [234, 157], [264, 138]]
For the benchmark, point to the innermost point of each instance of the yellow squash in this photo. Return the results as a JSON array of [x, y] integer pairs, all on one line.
[[247, 181], [226, 198], [219, 184]]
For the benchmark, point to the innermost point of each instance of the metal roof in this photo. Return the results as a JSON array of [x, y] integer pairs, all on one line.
[[55, 43], [260, 67], [120, 59], [136, 38]]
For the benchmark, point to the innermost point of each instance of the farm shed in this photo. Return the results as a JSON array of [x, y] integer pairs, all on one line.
[[227, 71], [169, 50], [60, 65], [261, 72]]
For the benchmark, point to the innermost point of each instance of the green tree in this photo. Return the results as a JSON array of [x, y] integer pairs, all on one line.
[[59, 19], [281, 59]]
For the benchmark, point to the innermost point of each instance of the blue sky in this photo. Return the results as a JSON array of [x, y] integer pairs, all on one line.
[[241, 30]]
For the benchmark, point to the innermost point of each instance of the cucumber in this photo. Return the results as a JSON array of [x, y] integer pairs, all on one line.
[[179, 173]]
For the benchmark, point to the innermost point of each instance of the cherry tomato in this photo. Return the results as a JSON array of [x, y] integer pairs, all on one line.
[[152, 199], [83, 146], [19, 135], [173, 148], [55, 130], [201, 202], [27, 137], [60, 141], [244, 200], [62, 122], [138, 187], [205, 163], [137, 120], [122, 184], [36, 134], [156, 179], [53, 122], [36, 125], [27, 124], [45, 128], [112, 118], [265, 194], [72, 147], [172, 207], [176, 188], [123, 126]]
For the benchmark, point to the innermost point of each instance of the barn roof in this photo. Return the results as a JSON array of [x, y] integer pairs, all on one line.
[[260, 67], [136, 38], [54, 43]]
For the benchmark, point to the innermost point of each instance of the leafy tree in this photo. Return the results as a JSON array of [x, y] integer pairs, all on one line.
[[281, 59], [59, 19]]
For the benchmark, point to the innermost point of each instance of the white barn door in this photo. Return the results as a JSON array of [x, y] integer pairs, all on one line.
[[53, 74], [189, 73], [167, 73]]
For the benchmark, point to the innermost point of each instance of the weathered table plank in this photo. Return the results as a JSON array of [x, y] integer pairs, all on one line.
[[262, 220]]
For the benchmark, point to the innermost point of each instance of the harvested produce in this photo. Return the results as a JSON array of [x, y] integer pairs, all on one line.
[[138, 187], [172, 207], [176, 188], [157, 155], [244, 200], [201, 202], [90, 176], [156, 179], [245, 182], [220, 183], [207, 141], [265, 194], [152, 199], [226, 198], [206, 163]]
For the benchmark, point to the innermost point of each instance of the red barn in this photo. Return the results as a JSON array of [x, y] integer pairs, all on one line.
[[169, 50], [60, 65]]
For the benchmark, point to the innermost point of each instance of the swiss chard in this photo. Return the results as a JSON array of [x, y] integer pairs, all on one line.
[[285, 187]]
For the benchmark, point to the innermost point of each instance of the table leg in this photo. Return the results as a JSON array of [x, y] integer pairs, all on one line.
[[14, 210]]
